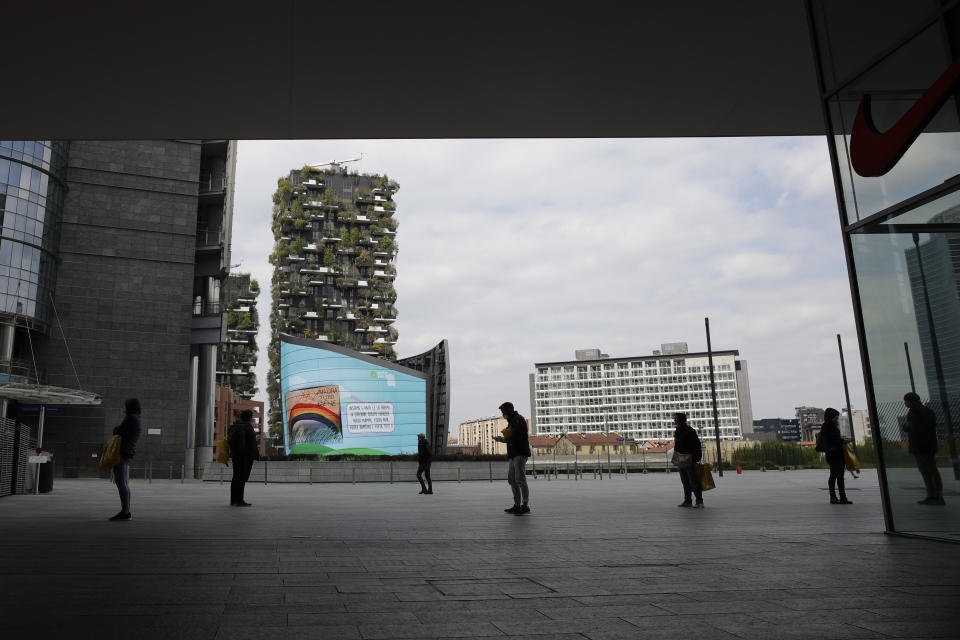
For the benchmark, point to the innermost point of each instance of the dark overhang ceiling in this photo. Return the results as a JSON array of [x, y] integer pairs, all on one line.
[[406, 69]]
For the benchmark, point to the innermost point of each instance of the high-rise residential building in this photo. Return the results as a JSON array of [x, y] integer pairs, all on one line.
[[861, 425], [228, 408], [638, 395], [237, 357], [112, 259], [810, 419], [333, 264]]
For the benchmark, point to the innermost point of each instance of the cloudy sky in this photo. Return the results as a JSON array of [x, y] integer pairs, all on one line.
[[520, 251]]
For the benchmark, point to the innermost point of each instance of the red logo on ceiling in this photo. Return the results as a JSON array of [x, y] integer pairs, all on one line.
[[873, 153]]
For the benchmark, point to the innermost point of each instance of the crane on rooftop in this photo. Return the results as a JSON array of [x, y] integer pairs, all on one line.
[[337, 163]]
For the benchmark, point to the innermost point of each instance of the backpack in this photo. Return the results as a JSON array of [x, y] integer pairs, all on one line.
[[821, 445]]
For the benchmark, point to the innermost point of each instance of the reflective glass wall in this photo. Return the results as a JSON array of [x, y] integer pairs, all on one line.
[[31, 202], [889, 90]]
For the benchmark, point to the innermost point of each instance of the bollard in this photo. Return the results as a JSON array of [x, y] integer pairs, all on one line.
[[458, 473], [170, 472], [548, 474], [150, 473], [264, 473], [354, 476], [391, 472], [221, 474], [311, 474], [491, 472], [181, 473]]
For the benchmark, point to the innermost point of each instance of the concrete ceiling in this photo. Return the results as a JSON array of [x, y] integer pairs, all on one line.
[[406, 69]]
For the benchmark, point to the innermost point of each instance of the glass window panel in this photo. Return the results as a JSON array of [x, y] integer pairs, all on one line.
[[26, 173], [894, 86], [910, 298]]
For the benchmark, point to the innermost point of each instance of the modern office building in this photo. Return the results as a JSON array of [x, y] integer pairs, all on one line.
[[637, 396], [810, 420], [237, 357], [335, 245], [113, 254], [783, 429]]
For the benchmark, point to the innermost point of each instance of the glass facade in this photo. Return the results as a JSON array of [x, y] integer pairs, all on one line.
[[31, 201], [894, 154]]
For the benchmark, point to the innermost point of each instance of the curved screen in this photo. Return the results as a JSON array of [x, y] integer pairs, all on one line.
[[337, 401]]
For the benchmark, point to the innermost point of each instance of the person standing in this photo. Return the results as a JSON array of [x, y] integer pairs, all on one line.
[[921, 428], [129, 432], [242, 442], [424, 458], [686, 445], [518, 451], [832, 443]]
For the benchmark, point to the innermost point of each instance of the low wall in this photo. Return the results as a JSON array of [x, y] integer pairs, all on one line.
[[359, 471]]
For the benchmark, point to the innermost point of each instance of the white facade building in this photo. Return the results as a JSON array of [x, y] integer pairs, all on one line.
[[638, 396]]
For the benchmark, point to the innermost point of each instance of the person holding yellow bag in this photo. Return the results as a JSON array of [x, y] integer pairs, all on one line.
[[129, 432], [686, 454]]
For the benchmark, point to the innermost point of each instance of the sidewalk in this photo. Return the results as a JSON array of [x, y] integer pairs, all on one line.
[[768, 558]]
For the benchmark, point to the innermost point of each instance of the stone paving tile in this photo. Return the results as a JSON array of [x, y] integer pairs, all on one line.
[[544, 627], [914, 628], [342, 619], [437, 630], [805, 631], [600, 611], [286, 633]]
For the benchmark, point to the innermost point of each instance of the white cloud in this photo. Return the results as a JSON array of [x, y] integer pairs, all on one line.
[[520, 251]]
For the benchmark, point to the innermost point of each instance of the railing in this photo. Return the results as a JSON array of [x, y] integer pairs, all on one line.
[[211, 183], [18, 370], [201, 308]]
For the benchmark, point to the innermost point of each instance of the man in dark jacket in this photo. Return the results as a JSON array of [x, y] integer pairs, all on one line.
[[424, 457], [242, 443], [921, 428], [686, 444], [129, 432], [518, 450]]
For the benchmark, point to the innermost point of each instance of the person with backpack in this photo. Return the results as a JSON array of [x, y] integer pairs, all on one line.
[[242, 442], [424, 457], [518, 451], [129, 432], [830, 442], [687, 452]]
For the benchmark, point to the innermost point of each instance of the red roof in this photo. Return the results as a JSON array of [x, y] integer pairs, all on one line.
[[542, 441]]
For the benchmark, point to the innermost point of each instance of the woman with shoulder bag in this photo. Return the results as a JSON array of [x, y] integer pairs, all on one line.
[[687, 453], [129, 432], [832, 444]]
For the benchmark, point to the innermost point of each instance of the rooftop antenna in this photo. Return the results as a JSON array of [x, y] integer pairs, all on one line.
[[337, 163]]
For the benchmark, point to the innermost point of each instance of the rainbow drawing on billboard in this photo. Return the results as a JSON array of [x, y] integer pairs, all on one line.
[[336, 401], [313, 415]]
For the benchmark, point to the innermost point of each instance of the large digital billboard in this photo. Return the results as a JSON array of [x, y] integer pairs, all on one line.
[[338, 401]]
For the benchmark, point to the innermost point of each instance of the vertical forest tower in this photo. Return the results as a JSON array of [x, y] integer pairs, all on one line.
[[333, 265]]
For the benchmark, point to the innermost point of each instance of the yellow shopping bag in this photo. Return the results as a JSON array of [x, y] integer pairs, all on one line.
[[223, 452], [111, 454], [850, 458], [705, 477]]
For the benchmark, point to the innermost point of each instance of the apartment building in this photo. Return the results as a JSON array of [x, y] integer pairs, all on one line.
[[637, 396], [237, 356]]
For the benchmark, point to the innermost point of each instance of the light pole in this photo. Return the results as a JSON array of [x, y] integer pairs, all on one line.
[[607, 430]]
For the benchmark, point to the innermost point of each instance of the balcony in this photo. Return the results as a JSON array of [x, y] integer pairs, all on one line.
[[201, 308], [212, 184], [384, 274], [362, 218], [22, 371], [378, 209]]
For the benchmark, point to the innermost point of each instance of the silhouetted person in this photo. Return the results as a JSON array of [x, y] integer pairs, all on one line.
[[423, 463], [129, 432], [242, 443], [832, 443], [686, 443], [518, 450], [921, 428]]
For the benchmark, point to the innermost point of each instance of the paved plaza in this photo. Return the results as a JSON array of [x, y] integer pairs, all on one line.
[[768, 558]]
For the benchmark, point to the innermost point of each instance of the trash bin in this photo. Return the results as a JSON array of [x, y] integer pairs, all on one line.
[[45, 484]]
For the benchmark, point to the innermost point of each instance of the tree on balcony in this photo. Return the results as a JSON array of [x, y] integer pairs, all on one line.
[[329, 258], [364, 259], [284, 191], [354, 237], [298, 246]]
